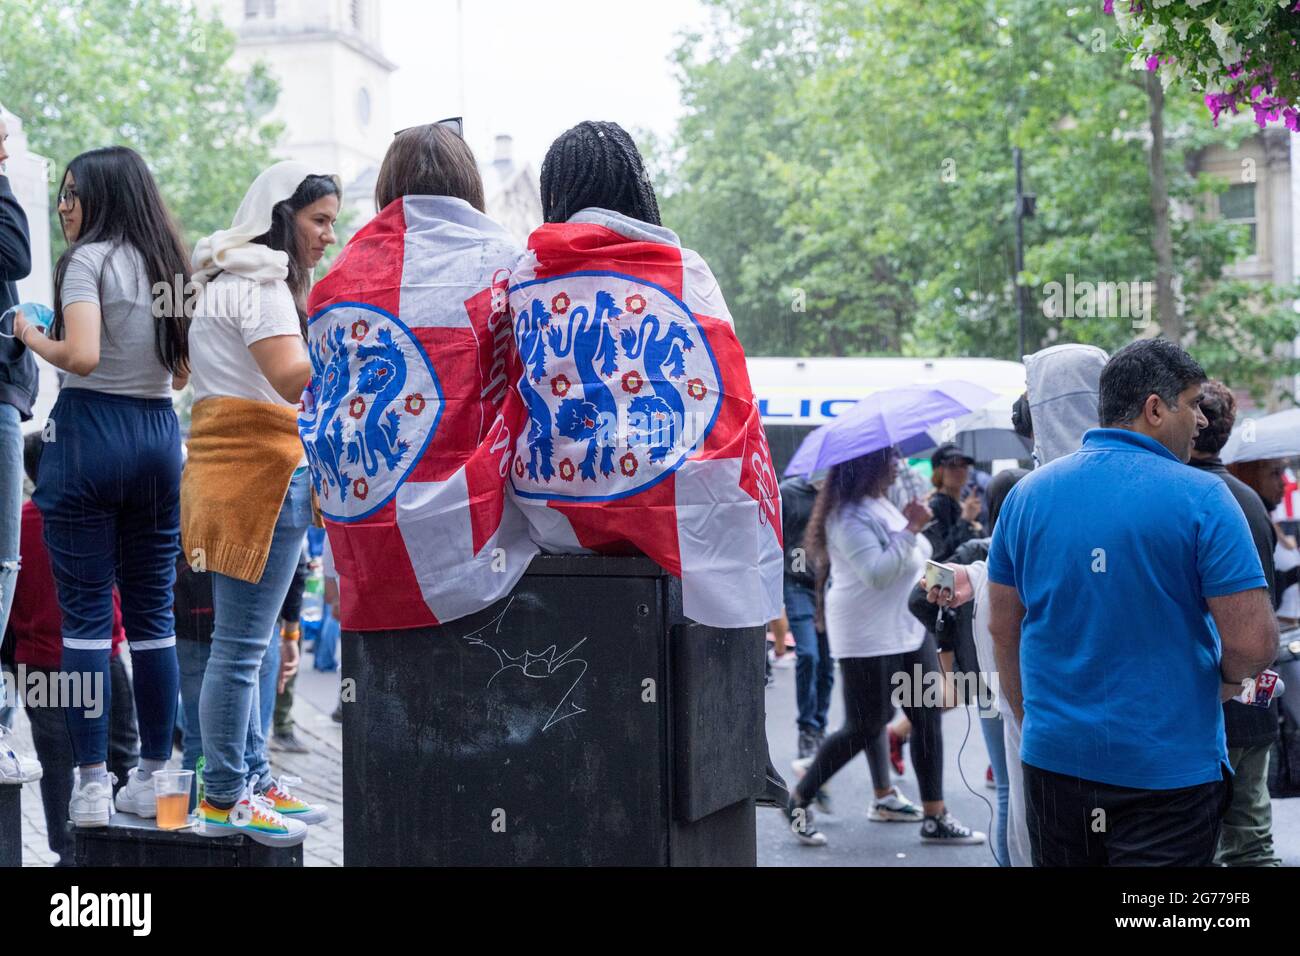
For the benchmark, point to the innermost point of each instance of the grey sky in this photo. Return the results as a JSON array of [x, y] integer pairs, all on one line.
[[533, 68]]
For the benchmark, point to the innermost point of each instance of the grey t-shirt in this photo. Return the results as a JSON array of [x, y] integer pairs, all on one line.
[[128, 353]]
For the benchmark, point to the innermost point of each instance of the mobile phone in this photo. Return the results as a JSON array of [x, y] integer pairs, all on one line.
[[938, 576]]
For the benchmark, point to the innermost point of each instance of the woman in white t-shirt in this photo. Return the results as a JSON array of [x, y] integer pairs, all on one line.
[[246, 492], [871, 556]]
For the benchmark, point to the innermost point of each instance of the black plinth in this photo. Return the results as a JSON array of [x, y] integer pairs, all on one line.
[[11, 825], [580, 721], [129, 840]]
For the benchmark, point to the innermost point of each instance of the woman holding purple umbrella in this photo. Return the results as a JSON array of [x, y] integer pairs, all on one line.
[[871, 554]]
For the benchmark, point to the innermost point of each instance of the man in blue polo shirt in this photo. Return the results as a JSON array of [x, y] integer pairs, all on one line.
[[1126, 602]]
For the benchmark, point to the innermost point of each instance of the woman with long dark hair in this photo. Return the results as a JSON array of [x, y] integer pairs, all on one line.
[[108, 486], [870, 556], [246, 494]]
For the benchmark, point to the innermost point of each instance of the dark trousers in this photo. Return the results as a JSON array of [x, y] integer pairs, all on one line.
[[108, 488], [867, 684], [1077, 822], [53, 747]]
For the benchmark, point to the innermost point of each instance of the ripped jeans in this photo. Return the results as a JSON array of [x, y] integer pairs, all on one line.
[[11, 508]]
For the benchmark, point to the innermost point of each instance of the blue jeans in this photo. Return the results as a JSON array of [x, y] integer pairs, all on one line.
[[814, 668], [267, 679], [109, 491], [246, 616], [991, 727], [11, 506]]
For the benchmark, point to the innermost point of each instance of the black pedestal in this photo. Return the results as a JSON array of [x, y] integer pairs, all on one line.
[[580, 721], [11, 825], [129, 840]]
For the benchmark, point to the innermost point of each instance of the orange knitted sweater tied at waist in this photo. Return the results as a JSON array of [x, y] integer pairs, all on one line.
[[242, 456]]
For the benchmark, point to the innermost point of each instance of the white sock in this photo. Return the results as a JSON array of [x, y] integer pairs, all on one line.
[[147, 768], [93, 775]]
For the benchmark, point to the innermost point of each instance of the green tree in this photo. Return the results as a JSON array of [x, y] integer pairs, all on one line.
[[861, 152], [154, 75]]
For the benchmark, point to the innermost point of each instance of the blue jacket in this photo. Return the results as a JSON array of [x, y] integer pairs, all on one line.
[[18, 374]]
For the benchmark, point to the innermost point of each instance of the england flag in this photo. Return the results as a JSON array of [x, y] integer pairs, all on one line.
[[642, 431], [412, 413]]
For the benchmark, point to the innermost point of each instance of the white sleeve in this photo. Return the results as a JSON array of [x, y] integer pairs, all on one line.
[[271, 312], [978, 573], [876, 565]]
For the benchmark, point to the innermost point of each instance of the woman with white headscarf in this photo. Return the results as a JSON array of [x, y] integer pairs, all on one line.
[[245, 494]]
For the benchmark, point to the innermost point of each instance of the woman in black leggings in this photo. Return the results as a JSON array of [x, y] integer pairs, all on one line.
[[871, 556]]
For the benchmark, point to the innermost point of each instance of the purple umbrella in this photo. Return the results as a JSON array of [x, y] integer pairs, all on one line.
[[891, 417]]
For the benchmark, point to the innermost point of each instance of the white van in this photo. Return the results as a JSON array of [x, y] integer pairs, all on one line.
[[795, 395]]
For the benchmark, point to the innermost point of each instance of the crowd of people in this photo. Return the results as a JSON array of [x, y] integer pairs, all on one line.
[[1112, 600], [1115, 612]]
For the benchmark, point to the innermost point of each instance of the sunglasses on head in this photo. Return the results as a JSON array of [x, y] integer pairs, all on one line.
[[454, 123]]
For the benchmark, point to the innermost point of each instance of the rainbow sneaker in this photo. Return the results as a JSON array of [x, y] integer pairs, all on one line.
[[291, 807], [251, 816]]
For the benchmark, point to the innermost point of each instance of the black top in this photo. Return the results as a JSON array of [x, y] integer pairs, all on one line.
[[948, 530], [193, 603], [797, 498], [1246, 725], [18, 375]]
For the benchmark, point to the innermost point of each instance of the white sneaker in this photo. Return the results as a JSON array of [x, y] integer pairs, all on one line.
[[92, 803], [15, 766], [138, 796], [895, 808]]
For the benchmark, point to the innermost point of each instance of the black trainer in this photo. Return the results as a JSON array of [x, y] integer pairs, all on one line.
[[946, 830], [801, 824]]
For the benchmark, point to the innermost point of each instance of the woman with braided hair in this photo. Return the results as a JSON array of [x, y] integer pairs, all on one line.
[[596, 164], [622, 328]]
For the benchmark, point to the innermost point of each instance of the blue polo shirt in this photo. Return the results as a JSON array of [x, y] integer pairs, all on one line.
[[1114, 551]]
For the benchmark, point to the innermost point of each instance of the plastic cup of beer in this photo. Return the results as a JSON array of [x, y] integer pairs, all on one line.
[[172, 788]]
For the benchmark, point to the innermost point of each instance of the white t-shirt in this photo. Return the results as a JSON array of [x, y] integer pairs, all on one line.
[[875, 564], [978, 573], [232, 314]]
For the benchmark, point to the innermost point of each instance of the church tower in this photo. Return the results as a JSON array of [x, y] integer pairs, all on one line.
[[334, 80]]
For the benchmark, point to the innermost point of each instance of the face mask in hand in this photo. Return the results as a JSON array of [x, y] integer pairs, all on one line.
[[36, 314]]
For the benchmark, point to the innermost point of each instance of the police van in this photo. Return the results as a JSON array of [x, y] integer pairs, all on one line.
[[795, 395]]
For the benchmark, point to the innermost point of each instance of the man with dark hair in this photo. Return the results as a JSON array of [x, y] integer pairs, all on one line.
[[1127, 601], [1247, 837]]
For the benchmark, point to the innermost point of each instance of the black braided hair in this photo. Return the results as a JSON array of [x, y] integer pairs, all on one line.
[[596, 164]]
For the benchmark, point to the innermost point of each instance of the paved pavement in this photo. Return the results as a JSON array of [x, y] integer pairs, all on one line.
[[852, 839], [321, 771]]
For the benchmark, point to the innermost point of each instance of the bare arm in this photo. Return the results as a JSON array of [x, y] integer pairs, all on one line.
[[78, 351], [1005, 615], [1247, 631], [283, 360]]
